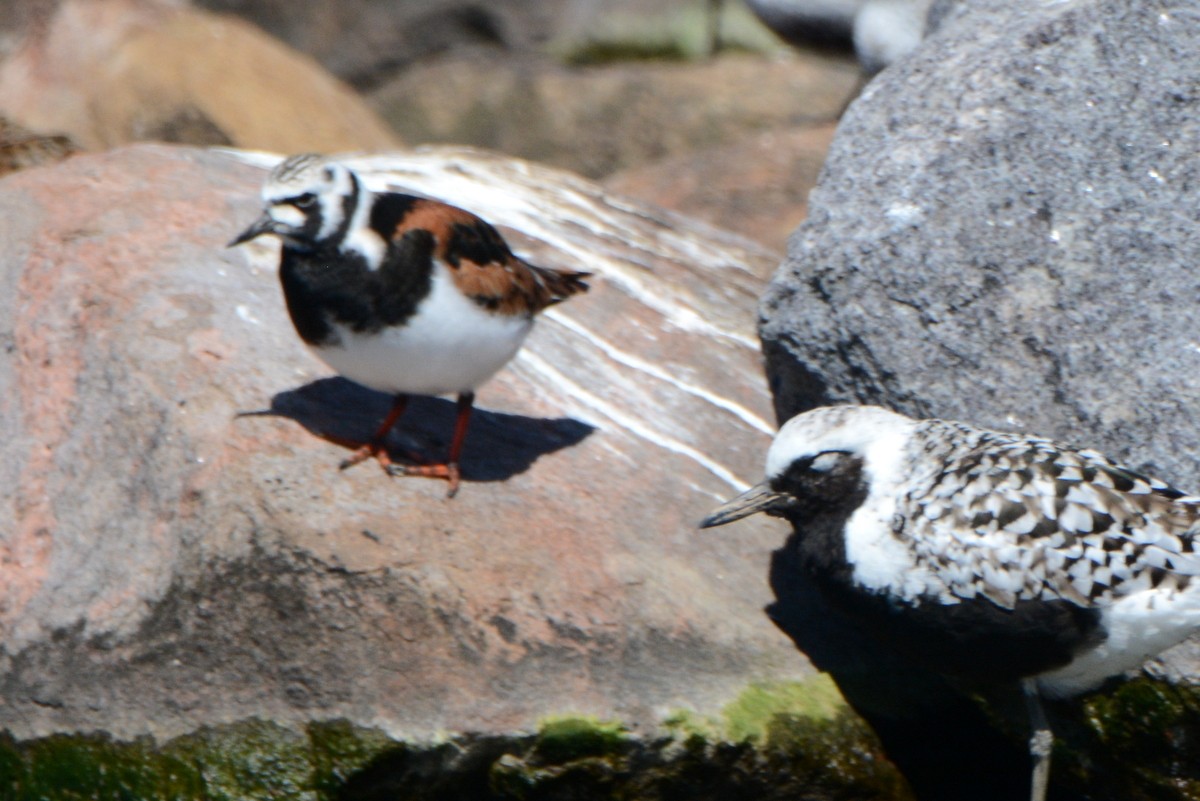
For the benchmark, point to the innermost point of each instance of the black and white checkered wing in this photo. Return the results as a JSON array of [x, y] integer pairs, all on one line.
[[1015, 518]]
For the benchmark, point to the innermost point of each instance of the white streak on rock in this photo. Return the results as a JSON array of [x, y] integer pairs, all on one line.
[[631, 424], [641, 365]]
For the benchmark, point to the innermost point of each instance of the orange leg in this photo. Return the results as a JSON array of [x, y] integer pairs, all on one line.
[[448, 470], [375, 447]]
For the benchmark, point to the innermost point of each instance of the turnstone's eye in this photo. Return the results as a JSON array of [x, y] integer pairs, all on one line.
[[304, 201]]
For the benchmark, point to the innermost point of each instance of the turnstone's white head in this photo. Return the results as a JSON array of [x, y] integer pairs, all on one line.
[[310, 202]]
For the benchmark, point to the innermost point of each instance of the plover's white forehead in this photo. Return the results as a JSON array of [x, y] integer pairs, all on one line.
[[852, 429]]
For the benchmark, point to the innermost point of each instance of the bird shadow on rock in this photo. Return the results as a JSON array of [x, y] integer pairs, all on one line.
[[498, 446]]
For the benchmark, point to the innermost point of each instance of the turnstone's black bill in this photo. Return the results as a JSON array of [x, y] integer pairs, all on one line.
[[983, 554], [401, 294]]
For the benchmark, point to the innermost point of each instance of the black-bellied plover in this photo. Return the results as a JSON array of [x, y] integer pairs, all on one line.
[[982, 554]]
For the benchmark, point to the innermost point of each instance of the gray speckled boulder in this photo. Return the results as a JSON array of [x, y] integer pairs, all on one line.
[[1006, 232]]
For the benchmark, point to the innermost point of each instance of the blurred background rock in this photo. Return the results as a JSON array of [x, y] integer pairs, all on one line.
[[717, 108]]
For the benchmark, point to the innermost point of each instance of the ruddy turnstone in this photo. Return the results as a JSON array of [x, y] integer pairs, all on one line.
[[982, 554], [402, 294]]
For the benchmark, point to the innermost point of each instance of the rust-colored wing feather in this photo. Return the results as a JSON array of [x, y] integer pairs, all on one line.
[[482, 264]]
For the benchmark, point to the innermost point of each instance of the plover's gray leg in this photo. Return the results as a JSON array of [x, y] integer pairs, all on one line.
[[1041, 740]]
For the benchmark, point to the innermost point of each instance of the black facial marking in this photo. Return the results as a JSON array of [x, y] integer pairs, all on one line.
[[323, 285], [821, 503], [306, 237]]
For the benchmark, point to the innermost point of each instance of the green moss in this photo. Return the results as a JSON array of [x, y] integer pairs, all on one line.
[[799, 750], [839, 754], [570, 738], [1142, 738], [674, 36], [71, 768], [754, 711], [244, 762], [340, 750], [1137, 740], [252, 760], [684, 725]]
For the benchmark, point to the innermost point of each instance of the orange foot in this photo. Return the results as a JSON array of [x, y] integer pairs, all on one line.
[[375, 448], [371, 450], [448, 471]]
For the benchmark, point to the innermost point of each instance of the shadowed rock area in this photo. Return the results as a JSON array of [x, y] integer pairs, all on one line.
[[618, 116], [366, 42], [171, 564]]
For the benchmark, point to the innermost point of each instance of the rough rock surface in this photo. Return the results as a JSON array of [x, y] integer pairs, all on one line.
[[757, 186], [598, 120], [942, 10], [21, 148], [365, 42], [1004, 233], [1015, 249], [170, 564], [359, 39], [108, 72]]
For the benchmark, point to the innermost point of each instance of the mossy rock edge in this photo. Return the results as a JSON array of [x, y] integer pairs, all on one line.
[[783, 750]]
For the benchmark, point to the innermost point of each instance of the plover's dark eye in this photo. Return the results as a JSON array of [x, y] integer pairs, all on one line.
[[304, 201]]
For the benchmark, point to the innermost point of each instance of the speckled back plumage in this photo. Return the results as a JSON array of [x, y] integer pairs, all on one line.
[[1022, 518]]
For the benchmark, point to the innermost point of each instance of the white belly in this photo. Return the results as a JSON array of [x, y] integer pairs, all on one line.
[[1139, 626], [450, 345]]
